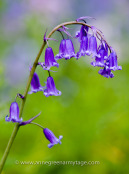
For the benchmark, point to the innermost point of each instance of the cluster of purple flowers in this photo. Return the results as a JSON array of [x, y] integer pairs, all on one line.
[[104, 56]]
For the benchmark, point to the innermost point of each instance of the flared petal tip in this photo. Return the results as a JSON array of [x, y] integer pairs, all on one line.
[[51, 93], [7, 118], [50, 145], [60, 138], [107, 74], [41, 88], [99, 64]]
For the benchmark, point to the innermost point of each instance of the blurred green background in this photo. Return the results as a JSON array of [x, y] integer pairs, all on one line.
[[92, 113]]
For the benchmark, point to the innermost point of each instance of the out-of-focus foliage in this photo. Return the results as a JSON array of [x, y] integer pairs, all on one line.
[[92, 113]]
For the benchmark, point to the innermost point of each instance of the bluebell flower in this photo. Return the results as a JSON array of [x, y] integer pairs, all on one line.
[[51, 88], [101, 57], [82, 33], [51, 137], [83, 47], [106, 73], [111, 63], [35, 84], [66, 50], [14, 113], [92, 47], [49, 59]]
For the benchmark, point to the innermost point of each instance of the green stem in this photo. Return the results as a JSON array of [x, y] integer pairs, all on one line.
[[10, 142], [16, 128], [37, 124]]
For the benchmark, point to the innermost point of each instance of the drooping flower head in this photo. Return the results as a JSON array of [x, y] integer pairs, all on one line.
[[51, 137], [101, 57], [35, 84], [51, 88], [49, 59], [66, 50], [14, 113], [111, 63], [83, 47]]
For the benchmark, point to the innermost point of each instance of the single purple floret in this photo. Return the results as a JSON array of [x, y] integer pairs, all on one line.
[[111, 63], [92, 47], [49, 59], [83, 32], [66, 50], [14, 113], [106, 73], [35, 84], [83, 47], [102, 56], [51, 88], [51, 137]]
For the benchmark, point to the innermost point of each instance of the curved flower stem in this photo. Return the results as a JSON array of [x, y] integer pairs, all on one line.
[[16, 128], [37, 125]]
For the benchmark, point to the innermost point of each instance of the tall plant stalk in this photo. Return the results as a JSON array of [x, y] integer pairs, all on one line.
[[16, 128]]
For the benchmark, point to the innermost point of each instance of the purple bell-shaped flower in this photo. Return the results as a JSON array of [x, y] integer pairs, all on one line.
[[66, 50], [14, 113], [35, 84], [106, 73], [111, 63], [49, 59], [92, 47], [82, 33], [102, 56], [51, 88], [83, 47], [51, 137]]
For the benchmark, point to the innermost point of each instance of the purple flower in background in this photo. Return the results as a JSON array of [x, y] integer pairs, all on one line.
[[51, 137], [51, 88], [83, 47], [106, 73], [49, 59], [35, 84], [102, 55], [111, 63], [66, 50], [83, 32], [14, 113], [92, 47]]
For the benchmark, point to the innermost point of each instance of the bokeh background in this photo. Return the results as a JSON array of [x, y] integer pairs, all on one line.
[[92, 113]]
